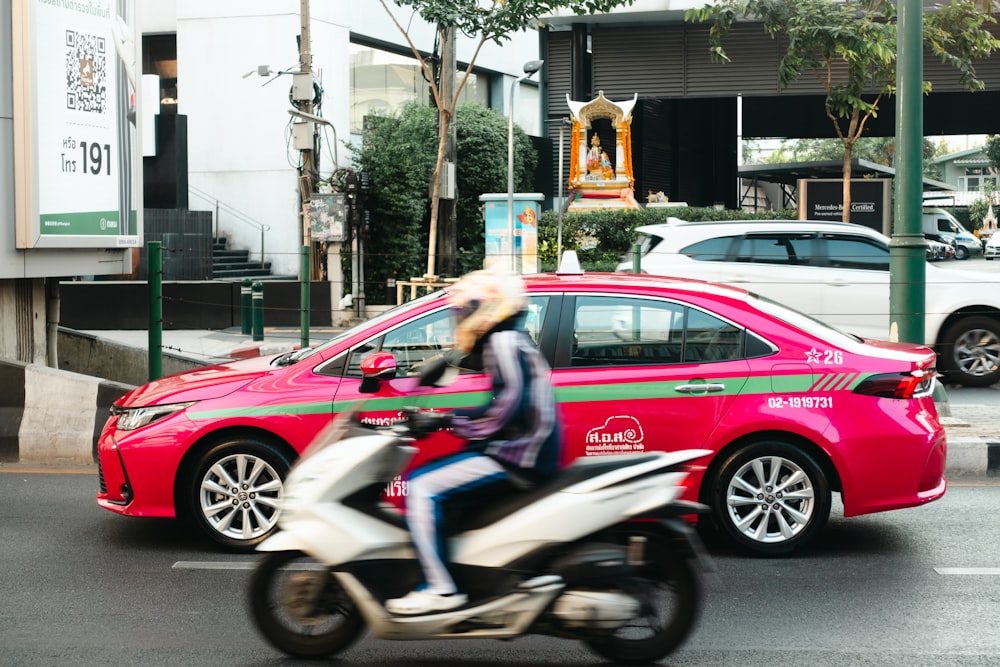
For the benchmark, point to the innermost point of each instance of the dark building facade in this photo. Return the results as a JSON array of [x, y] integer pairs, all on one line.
[[692, 112]]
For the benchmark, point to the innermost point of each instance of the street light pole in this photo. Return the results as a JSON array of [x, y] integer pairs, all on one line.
[[530, 68], [562, 126]]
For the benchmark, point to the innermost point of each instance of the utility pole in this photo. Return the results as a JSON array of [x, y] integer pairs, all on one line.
[[447, 231], [303, 92], [907, 275]]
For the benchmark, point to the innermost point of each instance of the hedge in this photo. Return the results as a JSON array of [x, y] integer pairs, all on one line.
[[602, 239]]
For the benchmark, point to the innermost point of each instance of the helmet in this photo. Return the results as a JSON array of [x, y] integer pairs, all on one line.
[[482, 300]]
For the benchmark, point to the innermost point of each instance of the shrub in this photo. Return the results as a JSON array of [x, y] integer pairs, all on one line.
[[398, 152]]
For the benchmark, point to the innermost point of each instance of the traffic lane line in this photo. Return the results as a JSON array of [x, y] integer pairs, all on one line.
[[233, 565], [22, 469], [975, 571], [215, 565]]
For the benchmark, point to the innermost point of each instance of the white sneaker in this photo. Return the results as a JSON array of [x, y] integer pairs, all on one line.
[[422, 602]]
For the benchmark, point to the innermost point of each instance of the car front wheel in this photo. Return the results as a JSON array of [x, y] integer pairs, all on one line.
[[770, 498], [971, 354], [235, 492]]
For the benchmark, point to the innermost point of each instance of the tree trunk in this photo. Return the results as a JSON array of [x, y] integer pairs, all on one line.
[[435, 193]]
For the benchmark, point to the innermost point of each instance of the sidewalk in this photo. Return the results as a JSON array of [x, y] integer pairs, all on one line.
[[220, 346], [973, 440], [973, 430]]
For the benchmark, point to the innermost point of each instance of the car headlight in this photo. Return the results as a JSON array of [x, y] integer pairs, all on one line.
[[130, 419]]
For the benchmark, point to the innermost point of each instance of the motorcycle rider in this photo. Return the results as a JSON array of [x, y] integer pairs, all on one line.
[[513, 440]]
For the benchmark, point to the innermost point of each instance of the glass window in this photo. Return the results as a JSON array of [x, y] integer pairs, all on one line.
[[535, 318], [976, 179], [529, 101], [382, 81], [708, 338], [421, 338], [710, 250], [786, 249], [614, 331], [854, 252], [410, 343]]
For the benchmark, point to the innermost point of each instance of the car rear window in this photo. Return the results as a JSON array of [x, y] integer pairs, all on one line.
[[647, 242], [800, 320], [709, 250]]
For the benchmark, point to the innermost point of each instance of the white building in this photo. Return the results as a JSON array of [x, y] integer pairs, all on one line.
[[226, 65]]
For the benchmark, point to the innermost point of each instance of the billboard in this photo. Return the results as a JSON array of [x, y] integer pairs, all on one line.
[[871, 201], [78, 178]]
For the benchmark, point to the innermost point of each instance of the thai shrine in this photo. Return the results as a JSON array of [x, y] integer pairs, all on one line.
[[596, 181]]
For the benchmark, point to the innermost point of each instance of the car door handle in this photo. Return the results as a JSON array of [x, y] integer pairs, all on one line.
[[707, 388]]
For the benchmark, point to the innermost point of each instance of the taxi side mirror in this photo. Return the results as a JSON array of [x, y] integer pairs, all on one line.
[[376, 367]]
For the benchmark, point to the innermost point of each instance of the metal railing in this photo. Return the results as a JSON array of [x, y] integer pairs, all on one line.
[[231, 212]]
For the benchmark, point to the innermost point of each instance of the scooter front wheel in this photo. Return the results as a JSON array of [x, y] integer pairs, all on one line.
[[668, 591], [301, 608]]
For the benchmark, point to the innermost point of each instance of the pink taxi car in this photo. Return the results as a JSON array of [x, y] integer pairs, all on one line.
[[792, 409]]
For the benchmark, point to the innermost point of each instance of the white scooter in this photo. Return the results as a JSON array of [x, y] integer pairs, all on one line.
[[599, 553]]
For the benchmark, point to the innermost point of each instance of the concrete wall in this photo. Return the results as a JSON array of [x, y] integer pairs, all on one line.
[[100, 358], [52, 417]]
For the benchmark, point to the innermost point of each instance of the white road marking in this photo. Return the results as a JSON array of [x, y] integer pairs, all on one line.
[[980, 571], [307, 566], [214, 565]]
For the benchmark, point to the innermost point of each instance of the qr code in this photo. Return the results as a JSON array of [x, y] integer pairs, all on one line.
[[86, 72]]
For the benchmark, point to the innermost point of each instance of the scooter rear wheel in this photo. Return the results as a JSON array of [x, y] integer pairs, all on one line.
[[301, 608], [669, 594]]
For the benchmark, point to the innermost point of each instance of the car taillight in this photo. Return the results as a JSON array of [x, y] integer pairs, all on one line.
[[898, 385]]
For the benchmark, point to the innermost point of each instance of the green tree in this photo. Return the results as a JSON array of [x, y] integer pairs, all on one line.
[[850, 47], [991, 149], [482, 21], [880, 150], [481, 138], [397, 152]]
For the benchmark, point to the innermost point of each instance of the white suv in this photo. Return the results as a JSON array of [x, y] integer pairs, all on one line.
[[837, 272]]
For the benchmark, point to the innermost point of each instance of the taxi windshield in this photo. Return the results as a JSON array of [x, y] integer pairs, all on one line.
[[305, 353]]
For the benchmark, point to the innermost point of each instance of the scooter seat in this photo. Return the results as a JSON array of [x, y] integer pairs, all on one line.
[[513, 500]]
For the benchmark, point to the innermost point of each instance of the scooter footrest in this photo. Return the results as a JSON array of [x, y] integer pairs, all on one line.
[[540, 582]]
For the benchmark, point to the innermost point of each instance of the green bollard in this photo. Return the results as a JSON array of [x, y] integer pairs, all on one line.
[[154, 281], [257, 297], [246, 303], [304, 297], [636, 258]]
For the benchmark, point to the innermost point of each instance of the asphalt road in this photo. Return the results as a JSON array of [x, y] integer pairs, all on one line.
[[80, 586]]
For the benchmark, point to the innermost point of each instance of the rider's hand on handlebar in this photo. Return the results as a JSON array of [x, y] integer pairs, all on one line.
[[424, 423]]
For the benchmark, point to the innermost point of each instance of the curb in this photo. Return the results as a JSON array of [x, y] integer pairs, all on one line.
[[973, 457]]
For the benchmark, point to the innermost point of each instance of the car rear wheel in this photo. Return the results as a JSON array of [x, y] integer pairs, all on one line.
[[770, 498], [971, 354], [236, 490]]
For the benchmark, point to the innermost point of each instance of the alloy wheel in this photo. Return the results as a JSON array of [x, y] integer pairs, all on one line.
[[770, 500], [977, 352], [240, 496]]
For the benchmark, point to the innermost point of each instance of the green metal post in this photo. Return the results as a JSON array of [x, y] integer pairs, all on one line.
[[257, 297], [636, 258], [907, 264], [246, 316], [154, 272], [304, 298]]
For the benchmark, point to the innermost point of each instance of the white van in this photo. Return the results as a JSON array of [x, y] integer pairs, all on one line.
[[940, 225]]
